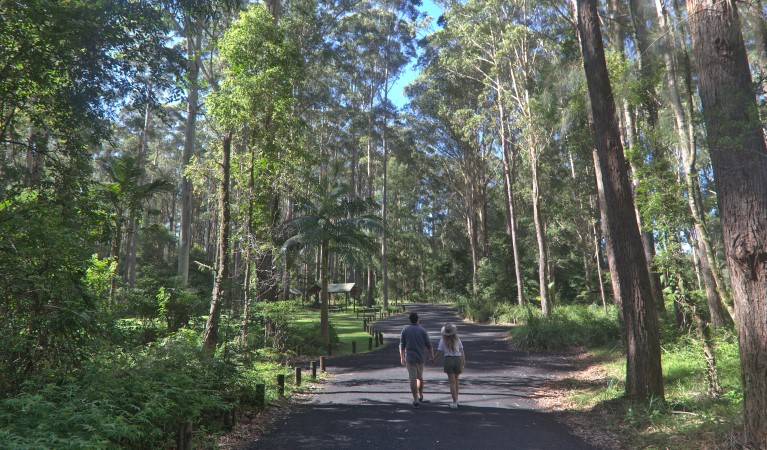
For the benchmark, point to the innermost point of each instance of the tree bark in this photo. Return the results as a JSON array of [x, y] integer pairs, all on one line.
[[716, 291], [507, 158], [210, 335], [190, 137], [132, 234], [739, 160], [643, 367], [540, 235], [324, 322]]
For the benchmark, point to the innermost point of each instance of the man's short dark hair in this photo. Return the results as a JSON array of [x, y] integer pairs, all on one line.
[[413, 317]]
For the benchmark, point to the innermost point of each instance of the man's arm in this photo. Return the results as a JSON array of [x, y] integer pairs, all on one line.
[[428, 345], [402, 349]]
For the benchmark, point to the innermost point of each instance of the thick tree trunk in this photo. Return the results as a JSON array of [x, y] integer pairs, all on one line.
[[210, 335], [190, 137], [739, 159], [643, 372], [715, 289], [632, 125]]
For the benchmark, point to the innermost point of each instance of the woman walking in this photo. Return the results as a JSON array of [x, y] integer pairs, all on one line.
[[455, 358]]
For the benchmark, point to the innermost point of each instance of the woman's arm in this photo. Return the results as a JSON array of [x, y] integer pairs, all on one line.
[[463, 358]]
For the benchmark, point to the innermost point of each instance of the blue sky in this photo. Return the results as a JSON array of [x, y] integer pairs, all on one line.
[[396, 95]]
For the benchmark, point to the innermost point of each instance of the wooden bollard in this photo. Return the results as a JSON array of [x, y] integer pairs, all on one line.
[[370, 343], [380, 338], [365, 324], [354, 346], [281, 384], [314, 370], [375, 337], [261, 396], [322, 363], [298, 376]]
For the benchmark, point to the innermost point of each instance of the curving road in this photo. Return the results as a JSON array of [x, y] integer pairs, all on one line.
[[366, 404]]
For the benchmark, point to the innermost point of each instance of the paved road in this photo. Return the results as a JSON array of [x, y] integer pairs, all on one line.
[[366, 404]]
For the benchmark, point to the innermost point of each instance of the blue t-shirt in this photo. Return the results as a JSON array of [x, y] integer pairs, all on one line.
[[415, 340]]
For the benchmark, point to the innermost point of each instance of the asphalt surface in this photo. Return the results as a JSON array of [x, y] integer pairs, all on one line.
[[366, 403]]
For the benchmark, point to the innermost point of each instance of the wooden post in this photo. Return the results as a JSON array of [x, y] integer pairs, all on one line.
[[281, 384], [370, 343], [365, 324], [314, 370], [184, 436], [322, 363], [380, 338], [298, 376], [261, 396]]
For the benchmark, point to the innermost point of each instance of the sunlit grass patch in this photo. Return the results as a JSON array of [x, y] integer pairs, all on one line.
[[688, 419]]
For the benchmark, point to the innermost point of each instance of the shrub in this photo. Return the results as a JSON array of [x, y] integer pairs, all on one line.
[[514, 313], [568, 326], [124, 400], [306, 338]]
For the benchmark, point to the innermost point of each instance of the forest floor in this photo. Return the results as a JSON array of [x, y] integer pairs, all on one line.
[[591, 425]]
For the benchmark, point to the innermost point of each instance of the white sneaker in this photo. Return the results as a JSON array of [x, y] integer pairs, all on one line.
[[454, 405]]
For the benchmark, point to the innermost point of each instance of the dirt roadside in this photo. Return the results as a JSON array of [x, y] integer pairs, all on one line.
[[590, 425]]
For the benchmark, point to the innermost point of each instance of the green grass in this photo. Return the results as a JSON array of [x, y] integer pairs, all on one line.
[[568, 326], [346, 324], [688, 419]]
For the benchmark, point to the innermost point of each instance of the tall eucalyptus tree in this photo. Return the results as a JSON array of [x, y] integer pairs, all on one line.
[[739, 159], [680, 98], [631, 283], [500, 45], [376, 41], [485, 30], [451, 103]]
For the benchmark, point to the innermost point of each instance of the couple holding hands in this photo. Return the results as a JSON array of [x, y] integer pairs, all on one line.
[[413, 347]]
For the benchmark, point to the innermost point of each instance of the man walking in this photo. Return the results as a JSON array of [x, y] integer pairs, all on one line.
[[413, 343]]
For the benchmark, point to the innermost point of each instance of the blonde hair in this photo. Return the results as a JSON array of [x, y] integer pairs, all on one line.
[[451, 342]]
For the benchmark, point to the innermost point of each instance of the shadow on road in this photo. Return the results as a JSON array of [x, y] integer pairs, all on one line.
[[366, 402]]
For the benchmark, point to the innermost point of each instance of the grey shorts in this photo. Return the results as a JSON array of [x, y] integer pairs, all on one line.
[[453, 364], [415, 370]]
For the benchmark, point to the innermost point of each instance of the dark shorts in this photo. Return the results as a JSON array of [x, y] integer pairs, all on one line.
[[453, 364]]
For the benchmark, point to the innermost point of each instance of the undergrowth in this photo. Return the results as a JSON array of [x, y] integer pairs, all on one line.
[[688, 418], [566, 327], [134, 394]]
